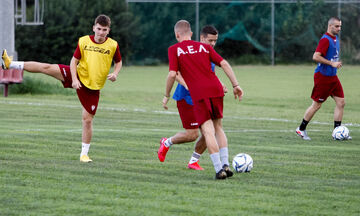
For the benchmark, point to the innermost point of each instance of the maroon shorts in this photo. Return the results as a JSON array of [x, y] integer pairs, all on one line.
[[186, 112], [325, 86], [65, 72], [209, 108], [89, 99]]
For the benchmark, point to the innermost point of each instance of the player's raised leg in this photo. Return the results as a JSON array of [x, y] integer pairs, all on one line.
[[32, 66], [189, 135], [45, 68], [87, 119]]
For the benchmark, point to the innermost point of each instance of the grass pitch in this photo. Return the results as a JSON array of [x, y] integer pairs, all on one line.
[[40, 136]]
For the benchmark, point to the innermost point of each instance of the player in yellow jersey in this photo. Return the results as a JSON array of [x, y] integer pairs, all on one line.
[[87, 73]]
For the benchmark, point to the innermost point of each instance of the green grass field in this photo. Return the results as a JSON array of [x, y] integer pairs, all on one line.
[[40, 142]]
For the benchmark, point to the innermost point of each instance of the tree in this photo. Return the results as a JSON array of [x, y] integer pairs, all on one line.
[[67, 20]]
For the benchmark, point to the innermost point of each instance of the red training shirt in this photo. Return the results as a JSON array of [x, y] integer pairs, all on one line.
[[193, 60]]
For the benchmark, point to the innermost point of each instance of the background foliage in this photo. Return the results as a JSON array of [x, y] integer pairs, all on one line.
[[67, 20], [145, 30]]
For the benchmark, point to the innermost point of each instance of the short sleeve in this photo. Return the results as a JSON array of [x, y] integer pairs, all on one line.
[[77, 53], [323, 46], [173, 60], [117, 55], [214, 56]]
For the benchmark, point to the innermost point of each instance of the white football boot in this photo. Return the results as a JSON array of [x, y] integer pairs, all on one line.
[[303, 134]]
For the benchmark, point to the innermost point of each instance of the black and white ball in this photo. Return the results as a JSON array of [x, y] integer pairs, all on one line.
[[340, 133], [242, 163]]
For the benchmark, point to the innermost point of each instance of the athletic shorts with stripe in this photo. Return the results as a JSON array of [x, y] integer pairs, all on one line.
[[209, 108], [325, 86], [89, 99]]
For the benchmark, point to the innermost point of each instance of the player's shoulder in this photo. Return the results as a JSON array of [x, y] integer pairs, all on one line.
[[192, 42], [325, 37], [174, 46], [85, 37], [110, 40]]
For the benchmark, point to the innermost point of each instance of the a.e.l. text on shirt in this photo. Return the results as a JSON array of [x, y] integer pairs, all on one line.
[[193, 60], [95, 60]]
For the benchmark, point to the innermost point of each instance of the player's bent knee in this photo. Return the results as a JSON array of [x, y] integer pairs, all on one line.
[[192, 135], [316, 106]]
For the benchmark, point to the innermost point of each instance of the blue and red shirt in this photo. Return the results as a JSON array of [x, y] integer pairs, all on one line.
[[329, 47]]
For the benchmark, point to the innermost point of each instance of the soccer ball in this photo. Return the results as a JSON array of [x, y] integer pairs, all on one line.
[[242, 163], [340, 133]]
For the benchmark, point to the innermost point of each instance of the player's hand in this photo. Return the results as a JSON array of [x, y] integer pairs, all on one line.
[[112, 77], [76, 84], [336, 64], [224, 87], [238, 92], [186, 87], [165, 101]]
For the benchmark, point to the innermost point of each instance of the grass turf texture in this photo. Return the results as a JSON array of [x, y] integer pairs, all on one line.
[[40, 137]]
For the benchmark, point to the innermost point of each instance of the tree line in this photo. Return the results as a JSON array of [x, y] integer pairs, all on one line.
[[145, 30]]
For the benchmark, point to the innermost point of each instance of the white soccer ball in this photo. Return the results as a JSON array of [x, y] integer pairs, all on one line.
[[340, 133], [242, 163]]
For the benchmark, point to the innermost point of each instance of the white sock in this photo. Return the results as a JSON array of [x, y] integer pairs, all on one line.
[[17, 65], [194, 158], [84, 149], [168, 142], [224, 156], [215, 158]]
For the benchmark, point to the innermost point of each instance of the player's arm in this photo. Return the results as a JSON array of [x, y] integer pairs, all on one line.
[[318, 57], [169, 84], [237, 90], [181, 80], [73, 70], [117, 67]]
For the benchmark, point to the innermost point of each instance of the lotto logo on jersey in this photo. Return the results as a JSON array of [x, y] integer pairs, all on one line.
[[191, 50], [96, 49]]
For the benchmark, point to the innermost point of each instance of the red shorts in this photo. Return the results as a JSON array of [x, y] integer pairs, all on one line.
[[186, 112], [325, 86], [65, 72], [209, 108], [89, 99]]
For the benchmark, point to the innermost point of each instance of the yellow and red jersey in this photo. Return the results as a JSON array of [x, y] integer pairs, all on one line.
[[95, 60]]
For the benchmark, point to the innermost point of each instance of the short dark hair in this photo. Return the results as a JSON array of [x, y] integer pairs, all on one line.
[[209, 29], [333, 19], [103, 20]]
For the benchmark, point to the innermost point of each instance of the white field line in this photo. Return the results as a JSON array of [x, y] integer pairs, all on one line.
[[141, 110], [79, 130]]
